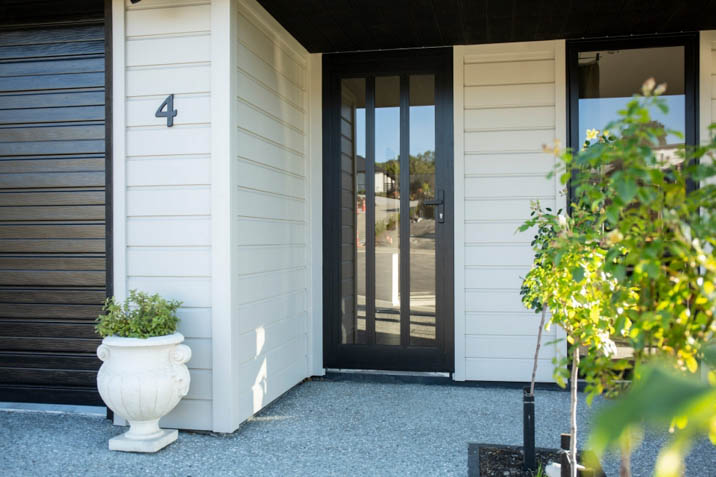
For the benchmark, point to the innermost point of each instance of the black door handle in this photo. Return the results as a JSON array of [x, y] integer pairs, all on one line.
[[438, 202]]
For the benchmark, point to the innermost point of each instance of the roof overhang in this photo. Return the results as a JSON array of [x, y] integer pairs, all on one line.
[[352, 25]]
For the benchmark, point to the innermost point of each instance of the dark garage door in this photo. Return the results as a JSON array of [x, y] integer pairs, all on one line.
[[52, 201]]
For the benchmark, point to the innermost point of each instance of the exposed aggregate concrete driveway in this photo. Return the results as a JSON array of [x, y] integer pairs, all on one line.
[[331, 428]]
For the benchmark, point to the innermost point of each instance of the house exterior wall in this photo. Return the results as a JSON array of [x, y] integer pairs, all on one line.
[[509, 102], [270, 208], [162, 176], [222, 211]]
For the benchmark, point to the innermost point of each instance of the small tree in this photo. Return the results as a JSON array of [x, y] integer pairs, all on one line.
[[635, 257]]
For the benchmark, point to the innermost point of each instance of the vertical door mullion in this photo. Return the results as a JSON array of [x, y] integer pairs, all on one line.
[[370, 210], [404, 211]]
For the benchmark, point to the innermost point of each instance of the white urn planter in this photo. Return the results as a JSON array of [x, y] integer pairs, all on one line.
[[142, 380]]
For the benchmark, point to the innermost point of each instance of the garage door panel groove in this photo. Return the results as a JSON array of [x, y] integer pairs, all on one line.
[[48, 329], [64, 377], [71, 197], [51, 394], [56, 263], [52, 296], [57, 231], [54, 213], [50, 277], [79, 361], [52, 246], [90, 64], [45, 115], [44, 311], [57, 99]]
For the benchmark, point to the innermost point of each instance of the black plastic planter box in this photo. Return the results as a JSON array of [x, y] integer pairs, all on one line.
[[473, 459]]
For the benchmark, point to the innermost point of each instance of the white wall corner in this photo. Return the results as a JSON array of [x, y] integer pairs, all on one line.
[[707, 97], [459, 213], [315, 195], [119, 181], [224, 369], [560, 131]]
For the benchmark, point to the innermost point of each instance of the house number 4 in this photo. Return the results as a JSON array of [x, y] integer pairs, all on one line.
[[166, 110]]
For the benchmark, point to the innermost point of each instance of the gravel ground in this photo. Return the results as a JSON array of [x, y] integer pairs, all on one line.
[[319, 428]]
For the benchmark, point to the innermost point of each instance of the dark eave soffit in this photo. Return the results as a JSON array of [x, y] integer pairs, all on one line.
[[327, 26]]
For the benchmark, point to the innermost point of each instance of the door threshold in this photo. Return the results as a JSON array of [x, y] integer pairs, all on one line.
[[380, 372]]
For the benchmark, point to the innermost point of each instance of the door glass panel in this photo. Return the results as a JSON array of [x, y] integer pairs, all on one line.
[[353, 226], [387, 210], [422, 217]]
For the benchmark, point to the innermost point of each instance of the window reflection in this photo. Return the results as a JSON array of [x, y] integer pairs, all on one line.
[[387, 210], [422, 217], [353, 238], [608, 79]]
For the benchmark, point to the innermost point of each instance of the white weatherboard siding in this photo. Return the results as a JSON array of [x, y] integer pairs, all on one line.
[[270, 208], [166, 216], [510, 101]]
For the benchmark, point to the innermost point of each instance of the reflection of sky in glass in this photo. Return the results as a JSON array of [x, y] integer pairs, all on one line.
[[387, 137], [597, 112], [422, 129]]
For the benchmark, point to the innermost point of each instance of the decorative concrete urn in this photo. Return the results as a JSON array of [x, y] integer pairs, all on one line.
[[142, 380]]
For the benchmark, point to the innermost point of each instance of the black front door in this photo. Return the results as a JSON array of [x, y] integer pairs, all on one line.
[[388, 222]]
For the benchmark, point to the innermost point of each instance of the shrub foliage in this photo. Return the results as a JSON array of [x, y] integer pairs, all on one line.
[[140, 316]]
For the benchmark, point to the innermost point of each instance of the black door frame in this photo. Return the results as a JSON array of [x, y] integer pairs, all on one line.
[[438, 61]]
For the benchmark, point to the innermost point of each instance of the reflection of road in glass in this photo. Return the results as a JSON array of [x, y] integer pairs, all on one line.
[[422, 297]]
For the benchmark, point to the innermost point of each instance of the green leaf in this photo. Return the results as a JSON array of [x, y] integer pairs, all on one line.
[[658, 397], [577, 274], [626, 188], [613, 214]]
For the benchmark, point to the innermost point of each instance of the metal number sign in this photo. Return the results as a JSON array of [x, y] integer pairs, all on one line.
[[170, 111]]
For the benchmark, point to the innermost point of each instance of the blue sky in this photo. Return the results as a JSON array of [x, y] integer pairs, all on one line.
[[387, 131], [597, 112]]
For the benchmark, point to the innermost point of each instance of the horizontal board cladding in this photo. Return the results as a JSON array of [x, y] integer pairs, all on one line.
[[169, 20], [265, 339], [168, 177], [260, 150], [258, 176], [169, 231], [505, 164], [510, 209], [514, 95], [168, 201], [185, 170], [504, 324], [263, 391], [262, 259], [269, 206], [263, 313], [507, 369], [188, 48], [510, 100], [169, 261]]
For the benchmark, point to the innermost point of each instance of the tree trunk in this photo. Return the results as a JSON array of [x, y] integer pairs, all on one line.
[[573, 410], [539, 344], [625, 463]]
